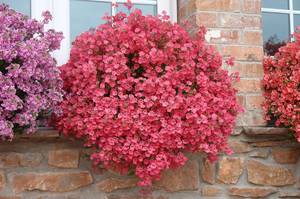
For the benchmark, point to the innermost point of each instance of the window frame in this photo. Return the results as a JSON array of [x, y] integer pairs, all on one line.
[[60, 10], [291, 12]]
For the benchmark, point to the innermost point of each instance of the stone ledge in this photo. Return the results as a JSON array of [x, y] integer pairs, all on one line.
[[265, 131], [42, 133], [46, 133]]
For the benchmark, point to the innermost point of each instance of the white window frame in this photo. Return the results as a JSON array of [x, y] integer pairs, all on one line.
[[60, 10], [290, 11]]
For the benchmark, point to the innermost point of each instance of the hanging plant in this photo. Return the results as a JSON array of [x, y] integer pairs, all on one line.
[[282, 86], [30, 81], [142, 92]]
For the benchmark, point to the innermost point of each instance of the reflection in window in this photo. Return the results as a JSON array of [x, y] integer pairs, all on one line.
[[296, 4], [22, 6], [86, 15], [278, 4], [279, 22], [276, 31], [272, 45], [296, 21], [146, 9]]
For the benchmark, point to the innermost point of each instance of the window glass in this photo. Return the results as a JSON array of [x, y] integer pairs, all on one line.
[[275, 31], [22, 6], [85, 15], [278, 4], [296, 4], [146, 9], [296, 21]]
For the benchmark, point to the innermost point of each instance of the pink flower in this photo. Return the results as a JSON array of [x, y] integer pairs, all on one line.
[[47, 17], [230, 61], [141, 91], [115, 5], [282, 88], [128, 4]]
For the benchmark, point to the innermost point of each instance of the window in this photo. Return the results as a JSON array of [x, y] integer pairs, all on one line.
[[20, 6], [82, 15], [73, 17], [280, 19]]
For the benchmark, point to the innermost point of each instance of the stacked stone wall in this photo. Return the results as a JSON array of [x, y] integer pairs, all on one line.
[[46, 166]]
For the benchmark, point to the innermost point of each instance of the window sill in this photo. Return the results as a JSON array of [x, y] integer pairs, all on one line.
[[266, 131], [42, 133]]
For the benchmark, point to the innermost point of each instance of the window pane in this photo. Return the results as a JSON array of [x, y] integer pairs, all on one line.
[[296, 5], [279, 4], [296, 21], [275, 31], [146, 9], [86, 15], [22, 6]]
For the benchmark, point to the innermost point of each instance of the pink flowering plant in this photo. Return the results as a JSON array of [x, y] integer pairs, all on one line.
[[282, 86], [142, 92], [30, 81]]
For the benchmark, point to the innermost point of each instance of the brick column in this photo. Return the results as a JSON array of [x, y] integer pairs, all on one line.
[[235, 28]]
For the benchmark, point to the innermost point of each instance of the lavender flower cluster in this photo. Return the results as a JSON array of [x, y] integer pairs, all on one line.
[[30, 82]]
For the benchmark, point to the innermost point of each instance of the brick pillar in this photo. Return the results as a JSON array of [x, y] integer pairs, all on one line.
[[235, 28]]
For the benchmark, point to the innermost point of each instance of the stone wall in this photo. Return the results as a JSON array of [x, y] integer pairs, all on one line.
[[265, 163], [46, 166], [234, 27]]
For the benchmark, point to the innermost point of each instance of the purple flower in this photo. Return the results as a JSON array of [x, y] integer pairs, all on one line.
[[30, 81]]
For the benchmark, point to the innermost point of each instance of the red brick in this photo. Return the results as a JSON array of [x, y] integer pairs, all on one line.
[[182, 3], [205, 5], [191, 7], [224, 36], [208, 20], [226, 20], [248, 69], [253, 38], [248, 85], [182, 14], [219, 5], [254, 102], [254, 22], [244, 53], [252, 6], [241, 100], [228, 5]]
